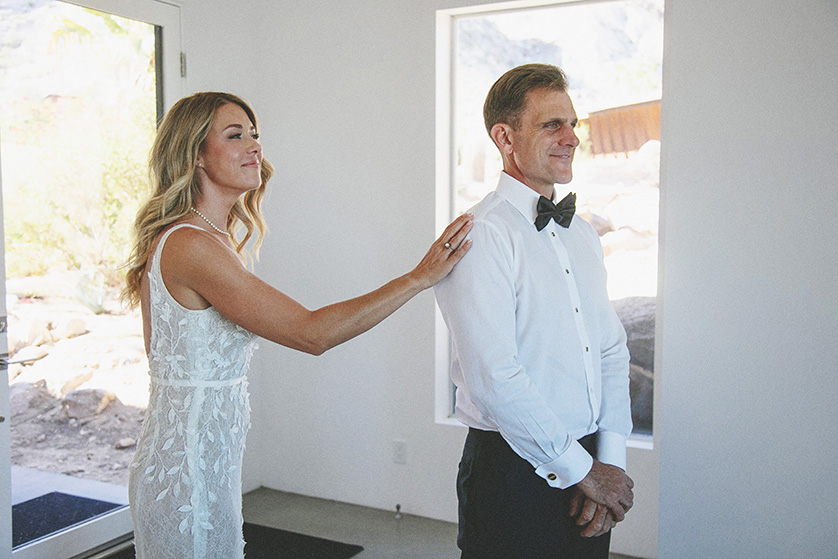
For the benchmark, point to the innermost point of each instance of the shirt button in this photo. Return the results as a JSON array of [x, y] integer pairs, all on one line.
[[551, 476], [576, 309], [586, 349], [552, 233], [566, 271]]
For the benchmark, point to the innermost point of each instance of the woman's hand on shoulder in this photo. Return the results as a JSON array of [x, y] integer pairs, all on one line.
[[444, 253]]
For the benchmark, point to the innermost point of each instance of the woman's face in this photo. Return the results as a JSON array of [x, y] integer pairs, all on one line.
[[231, 158]]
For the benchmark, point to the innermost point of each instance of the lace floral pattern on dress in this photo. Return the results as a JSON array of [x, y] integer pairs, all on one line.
[[185, 479]]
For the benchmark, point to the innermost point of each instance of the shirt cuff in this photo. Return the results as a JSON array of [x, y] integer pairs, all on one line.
[[611, 449], [568, 469]]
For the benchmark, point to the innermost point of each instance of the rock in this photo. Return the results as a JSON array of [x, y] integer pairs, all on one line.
[[648, 160], [24, 397], [30, 331], [641, 390], [127, 442], [14, 371], [627, 238], [11, 302], [69, 328], [638, 317], [52, 285], [602, 224], [30, 354], [80, 404], [635, 207], [75, 382]]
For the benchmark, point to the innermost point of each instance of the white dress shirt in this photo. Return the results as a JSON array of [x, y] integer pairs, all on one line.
[[538, 351]]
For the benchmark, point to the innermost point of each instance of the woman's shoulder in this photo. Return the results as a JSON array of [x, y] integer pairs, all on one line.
[[189, 237], [192, 261], [184, 244]]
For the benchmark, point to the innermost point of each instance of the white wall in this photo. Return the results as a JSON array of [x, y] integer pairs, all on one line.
[[350, 115], [748, 322], [347, 106], [748, 432], [222, 46]]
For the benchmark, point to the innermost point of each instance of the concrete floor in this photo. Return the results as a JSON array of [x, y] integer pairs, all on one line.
[[382, 535]]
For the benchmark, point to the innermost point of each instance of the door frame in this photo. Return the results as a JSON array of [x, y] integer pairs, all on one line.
[[115, 525]]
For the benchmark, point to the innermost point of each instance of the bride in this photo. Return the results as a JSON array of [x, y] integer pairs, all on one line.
[[202, 312]]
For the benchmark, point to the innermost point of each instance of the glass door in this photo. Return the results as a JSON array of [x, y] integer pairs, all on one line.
[[82, 86]]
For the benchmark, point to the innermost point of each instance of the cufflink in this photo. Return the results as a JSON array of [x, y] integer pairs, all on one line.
[[551, 476]]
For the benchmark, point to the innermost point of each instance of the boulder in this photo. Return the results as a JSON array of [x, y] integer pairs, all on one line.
[[26, 398], [30, 354], [638, 317], [69, 328], [627, 238], [75, 382], [602, 224], [641, 390], [30, 331], [81, 404], [635, 207]]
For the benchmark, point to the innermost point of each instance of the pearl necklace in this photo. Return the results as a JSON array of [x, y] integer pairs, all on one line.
[[211, 224]]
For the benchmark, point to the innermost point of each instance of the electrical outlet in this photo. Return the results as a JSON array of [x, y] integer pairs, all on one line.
[[400, 451]]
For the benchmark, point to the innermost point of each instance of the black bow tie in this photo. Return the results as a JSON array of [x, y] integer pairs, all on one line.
[[561, 212]]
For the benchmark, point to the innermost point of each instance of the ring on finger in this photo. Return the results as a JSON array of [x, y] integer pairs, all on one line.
[[448, 246]]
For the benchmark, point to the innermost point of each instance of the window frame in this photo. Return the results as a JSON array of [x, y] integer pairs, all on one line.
[[445, 180]]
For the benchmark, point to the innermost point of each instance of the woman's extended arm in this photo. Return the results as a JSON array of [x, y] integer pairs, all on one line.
[[199, 270]]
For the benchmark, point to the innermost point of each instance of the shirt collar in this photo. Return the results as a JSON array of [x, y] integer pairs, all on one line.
[[521, 196]]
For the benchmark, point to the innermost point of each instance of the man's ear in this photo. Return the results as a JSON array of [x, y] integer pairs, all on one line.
[[502, 135]]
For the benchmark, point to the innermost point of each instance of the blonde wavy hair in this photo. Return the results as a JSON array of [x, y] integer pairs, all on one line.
[[175, 187]]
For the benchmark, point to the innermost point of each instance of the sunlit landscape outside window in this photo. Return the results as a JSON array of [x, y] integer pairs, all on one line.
[[612, 53], [77, 116]]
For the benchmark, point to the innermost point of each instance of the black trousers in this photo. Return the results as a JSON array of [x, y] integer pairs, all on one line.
[[507, 511]]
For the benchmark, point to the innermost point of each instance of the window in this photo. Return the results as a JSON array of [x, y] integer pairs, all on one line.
[[612, 53]]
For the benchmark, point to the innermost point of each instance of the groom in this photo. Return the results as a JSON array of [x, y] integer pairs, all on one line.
[[540, 360]]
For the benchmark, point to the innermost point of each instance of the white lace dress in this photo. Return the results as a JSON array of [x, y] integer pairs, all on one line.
[[185, 478]]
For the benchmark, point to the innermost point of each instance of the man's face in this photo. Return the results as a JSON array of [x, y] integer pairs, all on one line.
[[542, 148]]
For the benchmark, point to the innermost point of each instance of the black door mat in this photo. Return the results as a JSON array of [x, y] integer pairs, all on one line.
[[52, 512]]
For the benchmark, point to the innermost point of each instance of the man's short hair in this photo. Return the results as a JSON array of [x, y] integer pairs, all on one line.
[[506, 98]]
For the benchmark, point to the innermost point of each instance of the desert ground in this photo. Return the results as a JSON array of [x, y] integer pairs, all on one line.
[[78, 381]]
